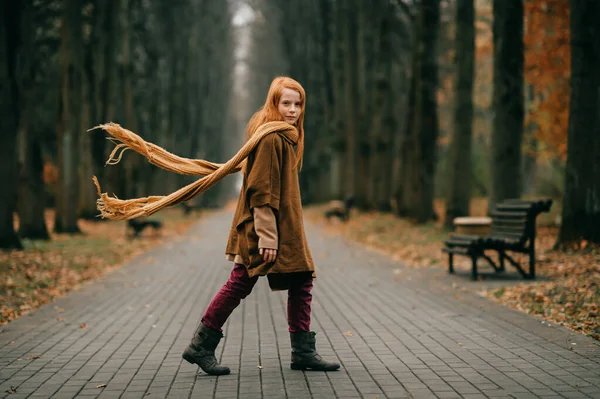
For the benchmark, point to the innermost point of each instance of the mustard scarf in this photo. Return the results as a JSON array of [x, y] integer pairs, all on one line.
[[117, 209]]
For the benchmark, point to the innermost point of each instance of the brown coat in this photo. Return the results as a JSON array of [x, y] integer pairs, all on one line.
[[271, 179]]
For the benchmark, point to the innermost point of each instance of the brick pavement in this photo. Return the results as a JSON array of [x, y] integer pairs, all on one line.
[[399, 333]]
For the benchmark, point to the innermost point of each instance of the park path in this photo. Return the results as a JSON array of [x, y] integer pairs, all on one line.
[[398, 333]]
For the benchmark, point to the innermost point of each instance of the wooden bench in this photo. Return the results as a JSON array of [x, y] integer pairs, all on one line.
[[513, 229]]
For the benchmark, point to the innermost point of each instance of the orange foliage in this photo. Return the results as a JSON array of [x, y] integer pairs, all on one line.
[[50, 174], [548, 71]]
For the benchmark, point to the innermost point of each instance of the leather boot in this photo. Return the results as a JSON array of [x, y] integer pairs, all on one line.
[[304, 353], [201, 350]]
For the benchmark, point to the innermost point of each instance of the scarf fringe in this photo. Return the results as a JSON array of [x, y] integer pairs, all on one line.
[[117, 209]]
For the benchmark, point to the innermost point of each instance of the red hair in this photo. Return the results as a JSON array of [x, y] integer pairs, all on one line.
[[269, 111]]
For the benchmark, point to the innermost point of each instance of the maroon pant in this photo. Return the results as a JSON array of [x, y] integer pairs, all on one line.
[[239, 287]]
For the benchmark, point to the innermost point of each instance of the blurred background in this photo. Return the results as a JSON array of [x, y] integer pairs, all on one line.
[[413, 107]]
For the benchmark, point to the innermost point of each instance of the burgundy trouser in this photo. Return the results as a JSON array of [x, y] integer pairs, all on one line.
[[239, 287]]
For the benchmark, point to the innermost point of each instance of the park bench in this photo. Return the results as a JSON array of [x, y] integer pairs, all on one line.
[[512, 229]]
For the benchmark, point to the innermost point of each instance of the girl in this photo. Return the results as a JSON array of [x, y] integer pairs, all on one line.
[[267, 235]]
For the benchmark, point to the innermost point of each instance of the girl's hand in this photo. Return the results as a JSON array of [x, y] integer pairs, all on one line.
[[268, 254]]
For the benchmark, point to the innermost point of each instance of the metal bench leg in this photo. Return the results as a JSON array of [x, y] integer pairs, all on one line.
[[501, 255], [450, 264], [532, 263], [474, 268]]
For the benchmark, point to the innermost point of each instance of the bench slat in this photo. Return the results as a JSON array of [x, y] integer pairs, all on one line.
[[460, 251], [509, 215], [509, 222], [464, 237], [515, 207], [507, 230]]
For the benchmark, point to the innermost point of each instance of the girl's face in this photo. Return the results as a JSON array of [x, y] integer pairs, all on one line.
[[290, 106]]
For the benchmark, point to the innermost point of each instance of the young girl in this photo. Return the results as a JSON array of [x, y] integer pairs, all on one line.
[[267, 235]]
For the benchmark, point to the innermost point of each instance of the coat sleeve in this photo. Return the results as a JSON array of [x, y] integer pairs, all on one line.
[[263, 184], [265, 225]]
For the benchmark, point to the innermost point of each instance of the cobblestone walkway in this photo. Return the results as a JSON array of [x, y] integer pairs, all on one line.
[[398, 333]]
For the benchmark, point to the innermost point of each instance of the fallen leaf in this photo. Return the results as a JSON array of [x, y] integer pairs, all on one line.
[[83, 325], [260, 367], [348, 333], [11, 390], [44, 272], [101, 386]]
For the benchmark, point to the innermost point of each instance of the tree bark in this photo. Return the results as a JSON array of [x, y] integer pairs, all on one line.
[[420, 146], [581, 205], [460, 152], [70, 118], [508, 101], [351, 102], [32, 224], [9, 42], [382, 122], [31, 205]]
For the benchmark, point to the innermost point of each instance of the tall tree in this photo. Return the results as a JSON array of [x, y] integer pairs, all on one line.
[[459, 194], [379, 193], [68, 126], [419, 145], [31, 196], [9, 42], [508, 101], [352, 103], [581, 206], [87, 191]]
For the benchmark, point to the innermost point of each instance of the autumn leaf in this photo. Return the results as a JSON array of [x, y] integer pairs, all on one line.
[[45, 271], [83, 325], [567, 295], [101, 386]]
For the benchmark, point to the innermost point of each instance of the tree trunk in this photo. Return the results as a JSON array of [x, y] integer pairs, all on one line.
[[31, 202], [382, 126], [31, 205], [508, 101], [70, 123], [361, 117], [105, 39], [422, 140], [460, 152], [351, 94], [9, 41], [132, 165], [581, 205], [340, 146], [87, 191]]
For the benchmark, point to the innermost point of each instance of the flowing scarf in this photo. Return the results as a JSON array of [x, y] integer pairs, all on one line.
[[118, 209]]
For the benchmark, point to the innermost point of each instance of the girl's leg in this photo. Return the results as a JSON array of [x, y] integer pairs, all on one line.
[[229, 297], [299, 305], [304, 351]]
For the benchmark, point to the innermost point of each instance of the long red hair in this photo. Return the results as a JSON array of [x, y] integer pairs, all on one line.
[[269, 112]]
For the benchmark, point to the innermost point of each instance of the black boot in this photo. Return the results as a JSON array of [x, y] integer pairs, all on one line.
[[305, 356], [201, 350]]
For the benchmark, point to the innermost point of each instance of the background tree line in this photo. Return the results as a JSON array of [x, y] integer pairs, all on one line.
[[407, 100], [161, 68]]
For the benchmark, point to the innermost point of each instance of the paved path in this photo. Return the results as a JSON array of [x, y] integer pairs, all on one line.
[[398, 333]]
